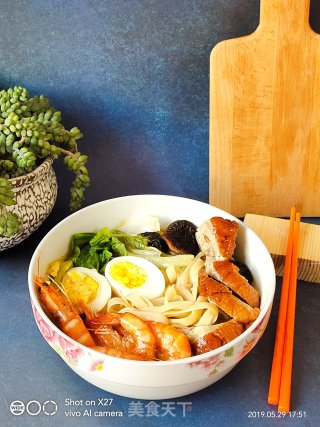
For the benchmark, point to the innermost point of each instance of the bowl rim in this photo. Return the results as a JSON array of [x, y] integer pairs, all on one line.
[[162, 363]]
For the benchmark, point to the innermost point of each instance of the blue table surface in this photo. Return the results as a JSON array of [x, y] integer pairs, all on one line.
[[31, 371]]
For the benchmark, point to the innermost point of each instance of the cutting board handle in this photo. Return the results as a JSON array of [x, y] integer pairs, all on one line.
[[292, 14]]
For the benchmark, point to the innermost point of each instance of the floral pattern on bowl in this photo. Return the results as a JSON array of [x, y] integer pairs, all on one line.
[[89, 361], [70, 352], [214, 364]]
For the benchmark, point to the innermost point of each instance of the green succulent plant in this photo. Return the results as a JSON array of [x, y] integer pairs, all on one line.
[[30, 131]]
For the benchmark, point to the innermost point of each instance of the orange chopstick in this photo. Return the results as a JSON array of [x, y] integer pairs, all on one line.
[[274, 387], [285, 388]]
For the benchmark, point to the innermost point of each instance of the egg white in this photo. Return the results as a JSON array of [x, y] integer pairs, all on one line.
[[104, 290], [152, 288]]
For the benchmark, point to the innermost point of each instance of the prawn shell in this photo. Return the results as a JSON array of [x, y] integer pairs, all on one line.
[[171, 343], [62, 313]]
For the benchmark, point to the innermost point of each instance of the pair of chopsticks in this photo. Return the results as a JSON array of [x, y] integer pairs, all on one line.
[[281, 371]]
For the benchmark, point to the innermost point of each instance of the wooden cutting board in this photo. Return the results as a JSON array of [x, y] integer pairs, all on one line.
[[265, 116], [274, 234]]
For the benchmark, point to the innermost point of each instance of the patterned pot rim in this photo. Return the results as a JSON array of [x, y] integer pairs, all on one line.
[[36, 194], [34, 175], [90, 360]]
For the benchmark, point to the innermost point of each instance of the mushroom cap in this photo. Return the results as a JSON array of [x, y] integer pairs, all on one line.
[[156, 240], [180, 237]]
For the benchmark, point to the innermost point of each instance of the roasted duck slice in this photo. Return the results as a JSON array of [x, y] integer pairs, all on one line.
[[221, 295], [228, 274], [221, 334], [217, 238]]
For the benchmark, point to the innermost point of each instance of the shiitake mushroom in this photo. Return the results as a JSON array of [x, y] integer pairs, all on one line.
[[180, 237], [156, 241]]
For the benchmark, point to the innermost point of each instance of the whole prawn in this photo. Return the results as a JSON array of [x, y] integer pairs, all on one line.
[[122, 335], [136, 336], [109, 340], [62, 313], [65, 316], [152, 340], [171, 343]]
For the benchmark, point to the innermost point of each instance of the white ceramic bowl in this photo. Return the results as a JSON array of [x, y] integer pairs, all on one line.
[[140, 379]]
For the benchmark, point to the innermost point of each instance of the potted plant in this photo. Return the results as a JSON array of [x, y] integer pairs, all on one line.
[[31, 137]]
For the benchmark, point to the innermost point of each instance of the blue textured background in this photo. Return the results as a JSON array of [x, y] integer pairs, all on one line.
[[133, 75]]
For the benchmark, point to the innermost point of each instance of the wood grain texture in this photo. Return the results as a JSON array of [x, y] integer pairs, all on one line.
[[265, 116], [274, 234]]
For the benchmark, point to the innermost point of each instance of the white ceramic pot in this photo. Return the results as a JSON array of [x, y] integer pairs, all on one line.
[[36, 194], [154, 379]]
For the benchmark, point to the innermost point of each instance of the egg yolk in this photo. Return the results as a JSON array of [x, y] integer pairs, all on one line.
[[80, 287], [128, 274]]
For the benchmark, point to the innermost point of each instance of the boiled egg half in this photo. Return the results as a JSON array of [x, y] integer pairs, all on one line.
[[130, 274], [86, 285]]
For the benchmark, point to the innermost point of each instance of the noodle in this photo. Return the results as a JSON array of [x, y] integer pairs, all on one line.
[[180, 305]]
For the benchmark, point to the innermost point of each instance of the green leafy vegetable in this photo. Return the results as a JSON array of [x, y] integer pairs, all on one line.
[[101, 238], [76, 254], [94, 250], [137, 241], [118, 248], [81, 239], [86, 257], [104, 257]]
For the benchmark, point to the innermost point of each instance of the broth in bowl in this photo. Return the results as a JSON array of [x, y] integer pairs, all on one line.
[[156, 295]]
